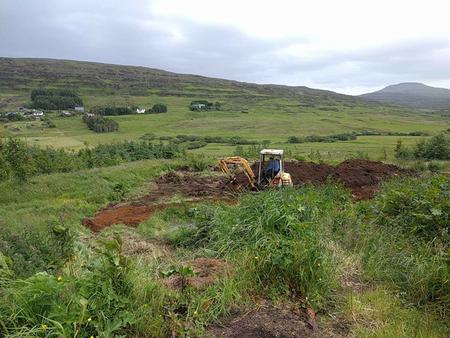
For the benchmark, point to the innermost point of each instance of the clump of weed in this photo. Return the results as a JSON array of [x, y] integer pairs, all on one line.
[[33, 250], [420, 207], [197, 162], [96, 303]]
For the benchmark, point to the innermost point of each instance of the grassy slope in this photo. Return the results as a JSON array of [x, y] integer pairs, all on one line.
[[274, 112]]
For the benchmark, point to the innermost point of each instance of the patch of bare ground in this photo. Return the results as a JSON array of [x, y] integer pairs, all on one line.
[[269, 321], [206, 270], [133, 245]]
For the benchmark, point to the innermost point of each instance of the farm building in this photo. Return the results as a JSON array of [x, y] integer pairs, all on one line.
[[79, 109], [37, 113], [198, 106]]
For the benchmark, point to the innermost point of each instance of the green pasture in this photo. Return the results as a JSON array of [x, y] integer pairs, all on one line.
[[265, 119]]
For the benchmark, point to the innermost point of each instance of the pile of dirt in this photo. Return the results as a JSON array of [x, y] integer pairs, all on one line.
[[267, 322], [127, 214], [193, 186], [206, 270], [363, 177]]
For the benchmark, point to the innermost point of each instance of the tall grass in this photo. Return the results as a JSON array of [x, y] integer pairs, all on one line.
[[275, 239]]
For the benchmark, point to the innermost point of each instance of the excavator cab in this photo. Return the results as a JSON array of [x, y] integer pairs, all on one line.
[[271, 169]]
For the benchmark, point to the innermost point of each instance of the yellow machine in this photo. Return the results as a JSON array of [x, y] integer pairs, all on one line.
[[270, 170]]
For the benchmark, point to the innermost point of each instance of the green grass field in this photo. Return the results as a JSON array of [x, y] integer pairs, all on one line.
[[268, 119]]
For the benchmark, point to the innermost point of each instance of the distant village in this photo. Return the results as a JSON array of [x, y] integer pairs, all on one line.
[[23, 113]]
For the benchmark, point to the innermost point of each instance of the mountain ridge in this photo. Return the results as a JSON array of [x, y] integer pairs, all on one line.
[[411, 94], [22, 74]]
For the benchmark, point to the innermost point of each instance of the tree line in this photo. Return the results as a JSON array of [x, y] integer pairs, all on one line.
[[157, 108], [52, 99], [349, 136], [20, 161]]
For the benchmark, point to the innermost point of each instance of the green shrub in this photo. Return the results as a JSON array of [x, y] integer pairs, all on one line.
[[100, 124], [198, 162], [195, 145], [158, 108], [435, 148], [294, 139], [419, 207], [96, 303], [34, 250]]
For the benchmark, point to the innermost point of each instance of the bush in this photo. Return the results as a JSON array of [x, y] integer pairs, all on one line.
[[195, 145], [294, 139], [327, 138], [33, 250], [418, 207], [158, 108], [197, 162], [12, 116], [100, 124], [436, 148], [96, 303]]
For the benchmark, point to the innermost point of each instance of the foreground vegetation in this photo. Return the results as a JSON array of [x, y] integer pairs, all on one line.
[[377, 268], [359, 262]]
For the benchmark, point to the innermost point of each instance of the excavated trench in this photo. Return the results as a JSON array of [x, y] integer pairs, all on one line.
[[362, 177]]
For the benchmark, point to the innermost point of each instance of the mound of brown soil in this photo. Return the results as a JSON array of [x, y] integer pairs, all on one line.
[[207, 270], [127, 214], [361, 176]]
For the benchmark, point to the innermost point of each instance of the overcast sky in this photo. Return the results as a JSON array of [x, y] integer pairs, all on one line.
[[349, 46]]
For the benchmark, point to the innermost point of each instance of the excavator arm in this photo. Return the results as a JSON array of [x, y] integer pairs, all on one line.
[[236, 160]]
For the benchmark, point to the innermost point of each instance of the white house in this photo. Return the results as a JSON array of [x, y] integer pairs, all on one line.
[[198, 106], [79, 109], [37, 113], [140, 111]]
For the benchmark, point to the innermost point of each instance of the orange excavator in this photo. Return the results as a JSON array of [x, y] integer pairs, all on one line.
[[270, 170]]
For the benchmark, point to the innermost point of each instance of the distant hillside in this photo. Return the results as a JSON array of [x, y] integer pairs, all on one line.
[[412, 94], [21, 75]]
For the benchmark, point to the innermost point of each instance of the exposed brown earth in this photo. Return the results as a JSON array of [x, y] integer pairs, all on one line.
[[362, 177], [207, 271], [269, 321]]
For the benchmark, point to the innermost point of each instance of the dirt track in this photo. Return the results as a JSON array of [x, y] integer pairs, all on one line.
[[362, 177]]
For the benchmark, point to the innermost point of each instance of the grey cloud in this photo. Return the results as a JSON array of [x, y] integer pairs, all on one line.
[[126, 32]]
